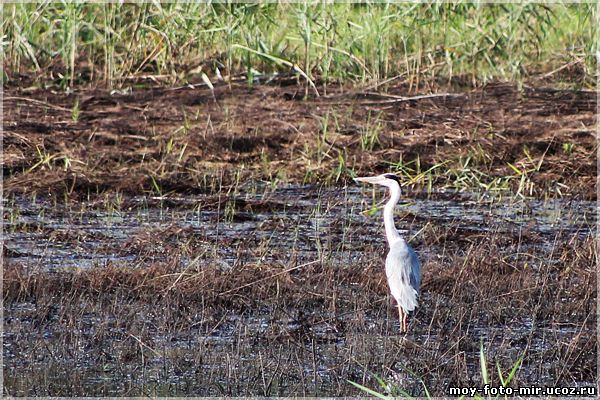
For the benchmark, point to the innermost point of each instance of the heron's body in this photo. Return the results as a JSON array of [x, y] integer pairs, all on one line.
[[402, 265], [404, 279]]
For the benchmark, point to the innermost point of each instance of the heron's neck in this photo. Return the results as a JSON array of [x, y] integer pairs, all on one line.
[[388, 215]]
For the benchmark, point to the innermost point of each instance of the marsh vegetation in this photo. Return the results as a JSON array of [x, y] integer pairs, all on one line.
[[171, 232]]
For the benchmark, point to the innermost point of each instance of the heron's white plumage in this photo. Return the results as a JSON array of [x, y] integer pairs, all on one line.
[[402, 265], [403, 272]]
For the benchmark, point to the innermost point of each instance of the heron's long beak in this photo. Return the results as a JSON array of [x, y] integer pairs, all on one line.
[[369, 179]]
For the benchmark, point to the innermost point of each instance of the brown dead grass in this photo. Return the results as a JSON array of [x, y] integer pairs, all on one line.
[[518, 308], [164, 326], [185, 141]]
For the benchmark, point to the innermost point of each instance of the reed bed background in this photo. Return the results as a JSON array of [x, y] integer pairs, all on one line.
[[73, 43]]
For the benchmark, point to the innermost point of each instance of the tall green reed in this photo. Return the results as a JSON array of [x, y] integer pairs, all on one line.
[[334, 42]]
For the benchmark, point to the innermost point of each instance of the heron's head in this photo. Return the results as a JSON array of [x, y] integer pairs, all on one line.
[[387, 180]]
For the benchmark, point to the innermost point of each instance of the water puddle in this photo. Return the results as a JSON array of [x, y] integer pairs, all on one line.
[[297, 220], [281, 349]]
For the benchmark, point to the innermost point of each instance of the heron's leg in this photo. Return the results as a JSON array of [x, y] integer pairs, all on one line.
[[401, 318], [404, 320]]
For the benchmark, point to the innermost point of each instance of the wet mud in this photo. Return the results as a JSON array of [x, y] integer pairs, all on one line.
[[185, 140], [163, 243]]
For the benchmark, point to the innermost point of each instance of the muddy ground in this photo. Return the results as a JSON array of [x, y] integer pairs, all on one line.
[[180, 140], [175, 241]]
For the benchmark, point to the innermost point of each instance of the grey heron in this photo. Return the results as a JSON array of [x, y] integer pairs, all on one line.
[[402, 265]]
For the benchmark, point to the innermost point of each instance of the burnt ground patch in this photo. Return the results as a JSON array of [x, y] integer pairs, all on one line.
[[251, 133], [218, 277]]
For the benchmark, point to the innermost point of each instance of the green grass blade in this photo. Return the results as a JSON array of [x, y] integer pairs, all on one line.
[[482, 362], [370, 391], [280, 61], [514, 370]]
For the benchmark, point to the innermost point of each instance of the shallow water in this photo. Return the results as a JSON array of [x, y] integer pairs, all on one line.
[[303, 220], [275, 350]]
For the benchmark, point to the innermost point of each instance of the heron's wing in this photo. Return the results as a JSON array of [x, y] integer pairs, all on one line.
[[403, 273], [415, 270]]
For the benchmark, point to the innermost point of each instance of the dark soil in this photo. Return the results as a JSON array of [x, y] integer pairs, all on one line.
[[180, 140], [217, 287]]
